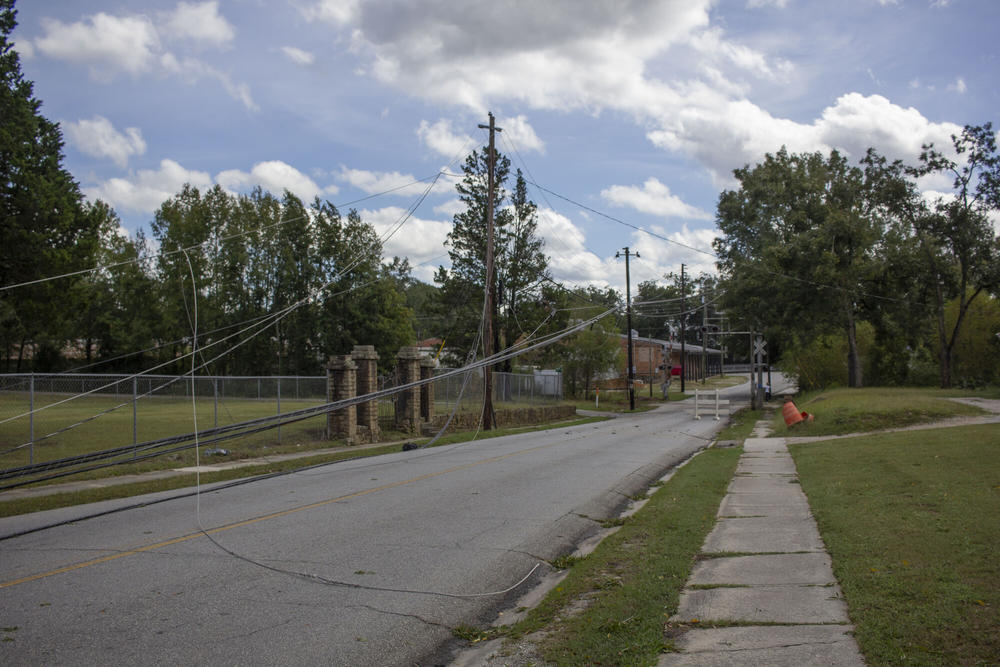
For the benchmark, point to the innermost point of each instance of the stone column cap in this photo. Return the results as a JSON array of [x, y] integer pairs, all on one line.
[[409, 352], [341, 362], [427, 362], [366, 352]]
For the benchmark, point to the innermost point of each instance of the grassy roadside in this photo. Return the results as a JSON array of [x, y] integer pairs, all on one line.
[[616, 400], [910, 520], [115, 491], [843, 411], [612, 606]]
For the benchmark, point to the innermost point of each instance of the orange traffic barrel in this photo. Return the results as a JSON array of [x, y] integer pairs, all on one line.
[[791, 413]]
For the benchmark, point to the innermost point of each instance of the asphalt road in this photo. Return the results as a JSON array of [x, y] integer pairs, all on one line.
[[369, 562]]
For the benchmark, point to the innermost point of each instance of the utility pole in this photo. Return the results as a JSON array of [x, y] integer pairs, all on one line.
[[683, 331], [489, 416], [628, 321]]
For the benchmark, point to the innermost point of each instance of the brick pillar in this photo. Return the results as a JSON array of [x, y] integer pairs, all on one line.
[[427, 390], [341, 383], [366, 359], [408, 402]]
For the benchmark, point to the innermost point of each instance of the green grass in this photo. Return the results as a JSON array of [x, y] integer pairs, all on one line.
[[127, 490], [632, 581], [741, 424], [616, 400], [157, 418], [842, 411], [912, 522]]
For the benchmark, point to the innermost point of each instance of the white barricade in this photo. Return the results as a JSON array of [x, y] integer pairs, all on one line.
[[705, 399]]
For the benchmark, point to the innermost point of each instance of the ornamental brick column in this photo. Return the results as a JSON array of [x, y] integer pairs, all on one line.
[[427, 390], [366, 359], [341, 384], [408, 401]]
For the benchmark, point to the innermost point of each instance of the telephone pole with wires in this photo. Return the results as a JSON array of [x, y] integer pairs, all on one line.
[[683, 331], [489, 415], [628, 318]]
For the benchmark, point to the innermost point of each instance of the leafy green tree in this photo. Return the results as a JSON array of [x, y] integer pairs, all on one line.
[[591, 353], [958, 242], [44, 229], [798, 223], [119, 303]]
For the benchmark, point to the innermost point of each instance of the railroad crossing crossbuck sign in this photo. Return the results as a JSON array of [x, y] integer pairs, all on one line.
[[758, 346]]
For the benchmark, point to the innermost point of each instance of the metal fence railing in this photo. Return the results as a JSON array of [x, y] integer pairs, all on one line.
[[116, 410], [102, 410]]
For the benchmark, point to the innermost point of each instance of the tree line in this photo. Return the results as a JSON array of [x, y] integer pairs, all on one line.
[[822, 255]]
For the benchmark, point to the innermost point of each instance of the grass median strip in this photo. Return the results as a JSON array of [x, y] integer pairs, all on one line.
[[613, 605], [910, 520], [178, 481]]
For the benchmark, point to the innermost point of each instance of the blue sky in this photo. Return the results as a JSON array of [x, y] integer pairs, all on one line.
[[638, 109]]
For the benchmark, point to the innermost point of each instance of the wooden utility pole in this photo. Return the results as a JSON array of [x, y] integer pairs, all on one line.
[[489, 415], [683, 331], [628, 312]]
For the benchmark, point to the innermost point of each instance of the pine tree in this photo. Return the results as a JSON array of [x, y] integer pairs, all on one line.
[[44, 229], [521, 266]]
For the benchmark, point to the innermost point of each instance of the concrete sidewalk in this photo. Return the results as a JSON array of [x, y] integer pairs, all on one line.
[[765, 575]]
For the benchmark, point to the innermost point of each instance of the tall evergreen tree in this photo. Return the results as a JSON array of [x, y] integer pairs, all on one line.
[[521, 267], [44, 229]]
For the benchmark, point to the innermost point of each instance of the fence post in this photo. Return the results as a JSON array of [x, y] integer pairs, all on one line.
[[31, 418], [135, 415], [215, 391], [279, 408]]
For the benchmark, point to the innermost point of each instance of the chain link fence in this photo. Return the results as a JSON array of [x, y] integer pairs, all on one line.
[[46, 416]]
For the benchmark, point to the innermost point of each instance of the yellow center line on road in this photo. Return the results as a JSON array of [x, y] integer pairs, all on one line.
[[274, 515]]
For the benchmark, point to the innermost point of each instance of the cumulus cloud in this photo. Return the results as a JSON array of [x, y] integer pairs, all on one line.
[[440, 138], [422, 241], [518, 132], [389, 182], [298, 56], [146, 189], [274, 176], [569, 258], [959, 86], [99, 138], [432, 51], [25, 49], [199, 22], [108, 44], [193, 70], [654, 198]]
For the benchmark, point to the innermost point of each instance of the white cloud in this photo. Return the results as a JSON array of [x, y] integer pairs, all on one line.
[[24, 49], [422, 241], [434, 52], [390, 182], [959, 86], [107, 44], [565, 245], [298, 56], [439, 137], [200, 23], [99, 138], [146, 189], [711, 43], [683, 247], [521, 134], [338, 12], [755, 4], [274, 176], [654, 198], [193, 70], [450, 208], [110, 45]]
